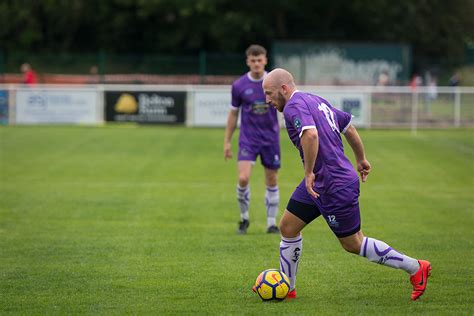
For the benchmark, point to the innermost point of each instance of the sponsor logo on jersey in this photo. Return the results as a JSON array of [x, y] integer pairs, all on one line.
[[260, 107], [248, 91]]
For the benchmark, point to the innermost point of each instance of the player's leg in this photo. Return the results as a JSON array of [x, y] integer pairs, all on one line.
[[291, 245], [344, 220], [299, 212], [270, 157], [246, 159], [272, 199], [244, 168], [379, 252]]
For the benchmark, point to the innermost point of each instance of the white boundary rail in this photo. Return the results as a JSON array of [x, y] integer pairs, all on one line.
[[207, 106]]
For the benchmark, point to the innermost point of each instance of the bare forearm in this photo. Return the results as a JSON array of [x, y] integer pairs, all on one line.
[[229, 130], [231, 125], [354, 140], [310, 145]]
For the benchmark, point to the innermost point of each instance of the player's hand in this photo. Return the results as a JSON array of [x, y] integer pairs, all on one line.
[[227, 151], [309, 182], [364, 168]]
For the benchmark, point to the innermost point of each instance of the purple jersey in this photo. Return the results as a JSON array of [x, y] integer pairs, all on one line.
[[332, 169], [259, 122]]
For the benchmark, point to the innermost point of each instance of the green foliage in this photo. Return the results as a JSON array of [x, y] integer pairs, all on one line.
[[141, 220], [435, 28]]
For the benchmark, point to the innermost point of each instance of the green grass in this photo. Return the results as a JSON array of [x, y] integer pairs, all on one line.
[[142, 220]]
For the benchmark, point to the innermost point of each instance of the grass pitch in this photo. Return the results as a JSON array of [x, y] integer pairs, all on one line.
[[142, 220]]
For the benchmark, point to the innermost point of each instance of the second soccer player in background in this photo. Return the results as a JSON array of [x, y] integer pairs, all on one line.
[[259, 136]]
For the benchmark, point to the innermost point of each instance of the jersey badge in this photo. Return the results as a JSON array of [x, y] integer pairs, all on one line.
[[297, 123]]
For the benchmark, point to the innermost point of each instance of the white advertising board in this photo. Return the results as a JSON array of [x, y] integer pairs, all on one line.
[[65, 105], [211, 107]]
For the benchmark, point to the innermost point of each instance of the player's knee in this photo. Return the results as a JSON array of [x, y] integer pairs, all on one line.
[[272, 181], [287, 230], [244, 180], [353, 242], [352, 247]]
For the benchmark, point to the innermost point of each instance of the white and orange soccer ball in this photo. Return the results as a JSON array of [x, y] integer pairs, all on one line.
[[272, 284]]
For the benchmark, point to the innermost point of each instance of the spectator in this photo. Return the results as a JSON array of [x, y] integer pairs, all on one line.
[[383, 79], [455, 80], [432, 93], [94, 75], [29, 75], [433, 89], [416, 81]]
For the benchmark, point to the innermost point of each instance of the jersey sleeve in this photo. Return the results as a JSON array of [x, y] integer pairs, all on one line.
[[299, 116], [235, 102], [343, 119]]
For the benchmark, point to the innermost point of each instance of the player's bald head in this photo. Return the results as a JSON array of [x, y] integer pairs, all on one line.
[[278, 86], [279, 77]]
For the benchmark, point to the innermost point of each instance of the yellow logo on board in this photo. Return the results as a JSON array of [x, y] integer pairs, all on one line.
[[126, 104]]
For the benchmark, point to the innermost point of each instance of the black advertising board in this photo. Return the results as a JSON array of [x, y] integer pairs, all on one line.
[[158, 107]]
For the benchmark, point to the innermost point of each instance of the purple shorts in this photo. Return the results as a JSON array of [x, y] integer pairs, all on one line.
[[269, 155], [340, 209]]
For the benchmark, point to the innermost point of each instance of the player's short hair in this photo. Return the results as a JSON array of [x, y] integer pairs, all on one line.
[[255, 50]]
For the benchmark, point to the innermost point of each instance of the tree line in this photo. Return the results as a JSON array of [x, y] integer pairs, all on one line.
[[435, 29]]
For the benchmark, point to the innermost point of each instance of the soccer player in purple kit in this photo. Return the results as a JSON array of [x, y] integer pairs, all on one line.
[[331, 185], [259, 136]]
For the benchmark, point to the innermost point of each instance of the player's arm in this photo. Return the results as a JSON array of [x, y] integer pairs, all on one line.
[[229, 131], [310, 145], [354, 140]]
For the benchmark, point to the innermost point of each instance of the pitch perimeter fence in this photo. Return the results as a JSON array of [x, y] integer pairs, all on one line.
[[208, 106]]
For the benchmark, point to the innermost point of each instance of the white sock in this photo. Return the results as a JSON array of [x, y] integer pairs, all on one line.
[[243, 198], [379, 252], [290, 253], [272, 200]]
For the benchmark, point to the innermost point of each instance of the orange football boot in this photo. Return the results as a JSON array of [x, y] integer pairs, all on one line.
[[291, 294], [420, 279]]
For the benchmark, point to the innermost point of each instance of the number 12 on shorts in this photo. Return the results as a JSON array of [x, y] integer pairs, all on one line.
[[332, 219]]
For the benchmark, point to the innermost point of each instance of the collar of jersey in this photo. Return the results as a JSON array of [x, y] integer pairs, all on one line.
[[294, 93], [256, 80]]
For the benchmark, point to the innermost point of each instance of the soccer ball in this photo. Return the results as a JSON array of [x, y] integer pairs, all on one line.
[[272, 284]]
